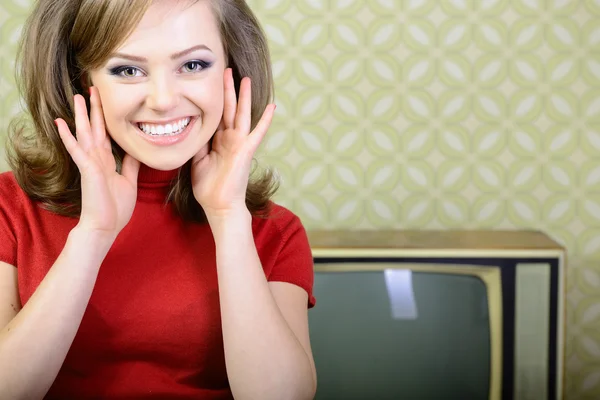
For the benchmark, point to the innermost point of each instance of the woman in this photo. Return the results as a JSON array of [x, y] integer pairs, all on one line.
[[136, 260]]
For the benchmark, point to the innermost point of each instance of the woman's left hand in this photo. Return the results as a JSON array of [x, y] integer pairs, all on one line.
[[220, 177]]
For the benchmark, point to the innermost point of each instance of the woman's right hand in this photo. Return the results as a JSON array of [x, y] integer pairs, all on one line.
[[107, 197]]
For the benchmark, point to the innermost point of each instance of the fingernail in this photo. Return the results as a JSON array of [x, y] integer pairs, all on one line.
[[55, 123], [90, 90]]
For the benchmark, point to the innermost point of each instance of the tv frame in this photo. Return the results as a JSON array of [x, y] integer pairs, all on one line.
[[506, 249]]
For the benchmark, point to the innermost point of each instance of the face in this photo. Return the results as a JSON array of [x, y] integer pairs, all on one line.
[[162, 90]]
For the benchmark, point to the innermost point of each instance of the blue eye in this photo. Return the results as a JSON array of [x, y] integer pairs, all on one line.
[[125, 71], [196, 65]]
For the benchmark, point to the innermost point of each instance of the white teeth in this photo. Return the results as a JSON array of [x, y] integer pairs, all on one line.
[[168, 129]]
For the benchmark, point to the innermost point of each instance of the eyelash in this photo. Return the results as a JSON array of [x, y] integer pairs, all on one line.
[[117, 71]]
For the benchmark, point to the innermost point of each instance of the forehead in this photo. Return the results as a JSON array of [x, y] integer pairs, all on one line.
[[173, 25]]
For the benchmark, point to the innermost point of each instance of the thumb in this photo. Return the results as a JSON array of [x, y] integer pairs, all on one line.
[[130, 169]]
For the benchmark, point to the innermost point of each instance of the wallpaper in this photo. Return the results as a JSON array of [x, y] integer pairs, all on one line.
[[435, 115]]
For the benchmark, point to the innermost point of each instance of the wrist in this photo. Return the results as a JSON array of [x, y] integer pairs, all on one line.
[[91, 238], [229, 223], [240, 215]]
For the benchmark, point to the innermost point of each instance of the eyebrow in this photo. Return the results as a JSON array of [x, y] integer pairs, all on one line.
[[174, 56]]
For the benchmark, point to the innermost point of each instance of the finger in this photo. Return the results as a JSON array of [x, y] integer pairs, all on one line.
[[82, 123], [98, 130], [106, 143], [130, 169], [244, 109], [77, 154], [261, 128], [230, 101]]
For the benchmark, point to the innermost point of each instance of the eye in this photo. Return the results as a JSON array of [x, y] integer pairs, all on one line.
[[129, 71], [126, 72], [195, 66]]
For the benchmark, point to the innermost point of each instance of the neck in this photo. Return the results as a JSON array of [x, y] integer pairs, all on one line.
[[154, 184]]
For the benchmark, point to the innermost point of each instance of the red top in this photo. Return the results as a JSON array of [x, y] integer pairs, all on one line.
[[152, 329]]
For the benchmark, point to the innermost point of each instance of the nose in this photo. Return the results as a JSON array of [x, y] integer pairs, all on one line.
[[164, 94]]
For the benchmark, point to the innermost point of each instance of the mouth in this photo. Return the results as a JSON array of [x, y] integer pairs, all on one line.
[[166, 134], [173, 128]]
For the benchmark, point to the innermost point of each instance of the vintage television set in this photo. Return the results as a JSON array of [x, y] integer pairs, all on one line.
[[475, 315]]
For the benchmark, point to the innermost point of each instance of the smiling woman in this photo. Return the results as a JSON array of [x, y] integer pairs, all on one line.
[[137, 259], [141, 59], [148, 80]]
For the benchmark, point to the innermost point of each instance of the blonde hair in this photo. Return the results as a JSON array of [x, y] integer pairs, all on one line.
[[61, 42]]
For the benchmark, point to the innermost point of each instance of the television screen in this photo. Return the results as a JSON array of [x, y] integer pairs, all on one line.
[[401, 334]]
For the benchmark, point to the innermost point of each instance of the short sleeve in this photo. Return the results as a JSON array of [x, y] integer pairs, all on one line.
[[8, 243], [294, 263]]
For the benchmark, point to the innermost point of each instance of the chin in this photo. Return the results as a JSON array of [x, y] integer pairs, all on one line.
[[166, 164]]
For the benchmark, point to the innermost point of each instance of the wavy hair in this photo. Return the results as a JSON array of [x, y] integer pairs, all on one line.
[[63, 40]]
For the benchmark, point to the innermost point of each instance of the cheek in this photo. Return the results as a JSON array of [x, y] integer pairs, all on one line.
[[109, 108], [217, 92], [116, 106], [211, 101], [113, 119]]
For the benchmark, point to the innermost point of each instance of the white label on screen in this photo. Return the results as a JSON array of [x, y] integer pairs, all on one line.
[[532, 324], [400, 293]]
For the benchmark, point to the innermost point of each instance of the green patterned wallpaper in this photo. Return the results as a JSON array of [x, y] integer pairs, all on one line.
[[435, 114]]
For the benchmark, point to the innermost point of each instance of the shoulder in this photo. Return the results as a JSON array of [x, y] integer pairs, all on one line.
[[13, 199], [279, 225], [11, 210], [280, 235], [7, 180], [10, 191], [10, 187]]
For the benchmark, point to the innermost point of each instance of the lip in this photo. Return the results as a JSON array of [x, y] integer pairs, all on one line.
[[166, 140], [171, 121]]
